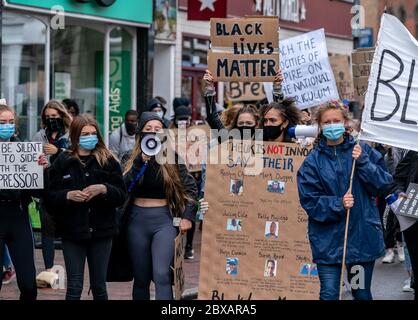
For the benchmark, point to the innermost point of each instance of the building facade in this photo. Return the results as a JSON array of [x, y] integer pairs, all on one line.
[[95, 52], [405, 10]]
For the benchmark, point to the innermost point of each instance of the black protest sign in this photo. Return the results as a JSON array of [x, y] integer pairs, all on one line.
[[409, 206], [19, 168], [244, 49]]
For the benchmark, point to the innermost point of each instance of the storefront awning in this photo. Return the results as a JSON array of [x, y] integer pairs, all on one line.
[[126, 12]]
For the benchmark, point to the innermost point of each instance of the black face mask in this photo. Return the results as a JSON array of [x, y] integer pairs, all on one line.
[[54, 124], [272, 132], [246, 129], [130, 128]]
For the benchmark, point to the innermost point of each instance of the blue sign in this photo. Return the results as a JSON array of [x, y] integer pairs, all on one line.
[[366, 38]]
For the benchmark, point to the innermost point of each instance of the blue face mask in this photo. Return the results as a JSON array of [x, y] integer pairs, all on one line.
[[6, 131], [333, 131], [88, 142]]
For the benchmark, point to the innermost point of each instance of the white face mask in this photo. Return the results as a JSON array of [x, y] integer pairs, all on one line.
[[160, 114]]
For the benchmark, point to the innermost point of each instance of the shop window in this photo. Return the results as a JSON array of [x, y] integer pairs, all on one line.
[[23, 69], [289, 10], [195, 52], [77, 67]]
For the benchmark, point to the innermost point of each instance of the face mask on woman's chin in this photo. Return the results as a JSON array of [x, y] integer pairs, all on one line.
[[272, 132]]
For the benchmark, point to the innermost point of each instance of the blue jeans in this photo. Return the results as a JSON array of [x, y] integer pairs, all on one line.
[[7, 261], [330, 275]]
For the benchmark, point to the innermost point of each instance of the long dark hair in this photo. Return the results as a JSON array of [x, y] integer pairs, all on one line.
[[101, 153], [287, 110]]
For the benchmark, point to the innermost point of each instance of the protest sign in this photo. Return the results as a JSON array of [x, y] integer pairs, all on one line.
[[409, 205], [191, 145], [341, 67], [178, 266], [19, 168], [390, 115], [308, 76], [244, 49], [362, 60], [244, 91], [254, 242]]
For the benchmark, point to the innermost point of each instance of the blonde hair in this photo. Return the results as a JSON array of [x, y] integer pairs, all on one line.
[[56, 105], [228, 116], [331, 105], [5, 108]]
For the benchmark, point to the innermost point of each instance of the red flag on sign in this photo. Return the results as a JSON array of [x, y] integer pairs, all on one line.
[[206, 9]]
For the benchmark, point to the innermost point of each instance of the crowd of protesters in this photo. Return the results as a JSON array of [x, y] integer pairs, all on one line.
[[94, 193]]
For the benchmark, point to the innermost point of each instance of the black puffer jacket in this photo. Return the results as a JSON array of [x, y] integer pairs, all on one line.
[[93, 219], [187, 179], [406, 172]]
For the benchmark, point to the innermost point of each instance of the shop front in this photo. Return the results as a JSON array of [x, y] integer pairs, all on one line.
[[93, 58]]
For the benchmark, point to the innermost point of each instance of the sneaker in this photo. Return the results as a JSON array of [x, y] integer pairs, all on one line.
[[401, 254], [389, 257], [407, 286], [8, 276], [189, 254]]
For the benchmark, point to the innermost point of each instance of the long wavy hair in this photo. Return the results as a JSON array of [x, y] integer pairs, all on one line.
[[176, 195], [287, 110], [62, 111], [101, 153], [250, 109]]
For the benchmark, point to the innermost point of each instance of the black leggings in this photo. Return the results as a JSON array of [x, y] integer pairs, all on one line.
[[151, 237], [411, 240], [16, 233], [97, 252]]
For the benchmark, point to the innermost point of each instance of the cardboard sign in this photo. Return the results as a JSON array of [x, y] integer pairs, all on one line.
[[362, 59], [178, 266], [308, 76], [341, 67], [244, 91], [19, 168], [255, 243], [390, 115], [191, 145], [244, 49]]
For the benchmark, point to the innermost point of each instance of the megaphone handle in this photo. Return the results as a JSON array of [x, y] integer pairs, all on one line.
[[138, 177]]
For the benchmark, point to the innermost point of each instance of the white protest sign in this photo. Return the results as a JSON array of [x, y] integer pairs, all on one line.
[[390, 115], [308, 76], [19, 168]]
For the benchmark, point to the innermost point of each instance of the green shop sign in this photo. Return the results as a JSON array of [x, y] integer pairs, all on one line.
[[134, 11]]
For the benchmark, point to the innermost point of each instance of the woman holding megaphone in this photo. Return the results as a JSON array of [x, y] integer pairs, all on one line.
[[161, 198]]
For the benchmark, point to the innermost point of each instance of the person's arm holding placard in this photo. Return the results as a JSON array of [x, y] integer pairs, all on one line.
[[212, 115]]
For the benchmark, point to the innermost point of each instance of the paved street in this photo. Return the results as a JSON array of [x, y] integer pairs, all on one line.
[[388, 281]]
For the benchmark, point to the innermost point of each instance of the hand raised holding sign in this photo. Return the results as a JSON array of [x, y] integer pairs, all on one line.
[[278, 80], [209, 86]]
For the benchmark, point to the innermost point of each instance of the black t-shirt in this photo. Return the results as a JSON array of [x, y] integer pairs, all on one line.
[[152, 184]]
